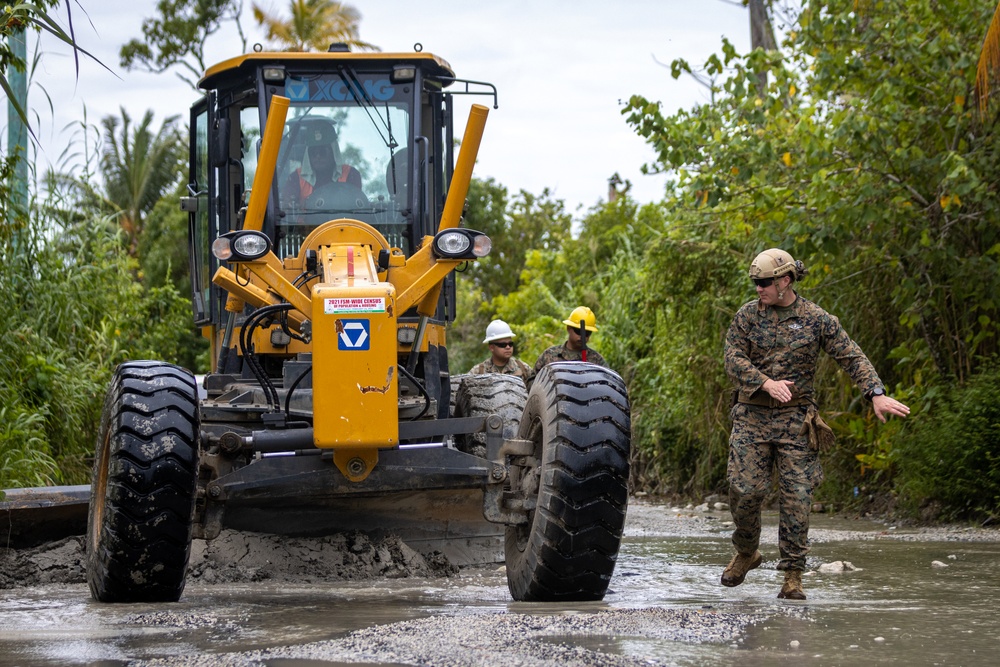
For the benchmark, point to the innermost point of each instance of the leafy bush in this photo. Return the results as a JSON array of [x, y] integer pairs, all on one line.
[[950, 454], [72, 311]]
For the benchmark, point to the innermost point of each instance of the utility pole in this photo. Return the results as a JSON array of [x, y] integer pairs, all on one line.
[[17, 132]]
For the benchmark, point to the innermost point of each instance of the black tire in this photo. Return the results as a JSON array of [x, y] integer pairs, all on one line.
[[577, 415], [455, 384], [489, 394], [143, 490]]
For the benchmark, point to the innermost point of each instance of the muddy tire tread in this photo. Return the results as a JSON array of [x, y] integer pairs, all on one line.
[[570, 552], [491, 393], [456, 385], [150, 426]]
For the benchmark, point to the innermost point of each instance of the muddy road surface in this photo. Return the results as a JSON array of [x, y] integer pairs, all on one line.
[[896, 596]]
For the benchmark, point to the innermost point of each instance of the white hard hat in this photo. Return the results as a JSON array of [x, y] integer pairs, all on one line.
[[496, 330]]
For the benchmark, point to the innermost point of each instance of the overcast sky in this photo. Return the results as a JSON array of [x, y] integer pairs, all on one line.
[[563, 70]]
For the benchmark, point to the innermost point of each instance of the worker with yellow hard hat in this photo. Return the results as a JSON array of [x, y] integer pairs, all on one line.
[[579, 325]]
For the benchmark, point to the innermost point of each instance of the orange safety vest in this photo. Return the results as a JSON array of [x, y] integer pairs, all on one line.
[[306, 188]]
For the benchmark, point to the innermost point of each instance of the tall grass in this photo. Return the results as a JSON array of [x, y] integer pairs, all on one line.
[[72, 310]]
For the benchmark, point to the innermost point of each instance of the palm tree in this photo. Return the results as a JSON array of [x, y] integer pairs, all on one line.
[[989, 63], [139, 167], [313, 26], [16, 20]]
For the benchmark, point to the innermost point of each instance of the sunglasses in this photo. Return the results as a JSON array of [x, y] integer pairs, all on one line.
[[763, 282], [503, 344]]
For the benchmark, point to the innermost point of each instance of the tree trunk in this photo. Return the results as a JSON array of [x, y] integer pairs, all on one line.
[[761, 36]]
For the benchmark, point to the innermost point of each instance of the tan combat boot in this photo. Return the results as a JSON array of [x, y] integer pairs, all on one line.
[[736, 571], [792, 589]]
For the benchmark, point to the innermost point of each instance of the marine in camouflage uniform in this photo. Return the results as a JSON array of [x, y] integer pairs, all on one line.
[[514, 366], [776, 340]]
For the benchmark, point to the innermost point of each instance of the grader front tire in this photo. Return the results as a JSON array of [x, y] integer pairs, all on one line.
[[487, 394], [143, 491], [577, 415]]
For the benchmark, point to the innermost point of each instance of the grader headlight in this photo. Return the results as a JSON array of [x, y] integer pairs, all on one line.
[[241, 246], [273, 75], [461, 244]]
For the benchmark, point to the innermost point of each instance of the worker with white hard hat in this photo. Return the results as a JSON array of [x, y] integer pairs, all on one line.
[[500, 339]]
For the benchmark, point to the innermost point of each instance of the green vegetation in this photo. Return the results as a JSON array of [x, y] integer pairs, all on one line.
[[863, 158], [175, 39], [527, 232], [72, 311], [313, 25], [77, 300], [950, 463], [854, 145]]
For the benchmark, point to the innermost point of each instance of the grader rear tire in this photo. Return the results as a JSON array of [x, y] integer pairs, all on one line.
[[577, 415], [143, 490], [488, 394]]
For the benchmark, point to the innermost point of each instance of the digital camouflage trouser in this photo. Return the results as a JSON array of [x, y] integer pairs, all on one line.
[[764, 439]]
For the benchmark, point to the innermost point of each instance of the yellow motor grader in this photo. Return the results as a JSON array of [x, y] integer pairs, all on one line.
[[325, 204]]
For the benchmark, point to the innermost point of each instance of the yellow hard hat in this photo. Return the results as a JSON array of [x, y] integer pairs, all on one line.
[[582, 313], [772, 263]]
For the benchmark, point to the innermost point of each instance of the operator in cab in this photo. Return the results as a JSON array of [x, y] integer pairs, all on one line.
[[321, 186]]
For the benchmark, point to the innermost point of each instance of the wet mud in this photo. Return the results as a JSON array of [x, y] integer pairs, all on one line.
[[241, 557], [912, 596], [236, 557]]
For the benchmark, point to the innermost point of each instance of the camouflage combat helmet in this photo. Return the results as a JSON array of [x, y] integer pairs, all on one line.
[[775, 263]]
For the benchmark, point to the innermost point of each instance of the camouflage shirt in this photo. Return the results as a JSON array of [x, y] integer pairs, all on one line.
[[784, 343], [514, 366], [563, 353]]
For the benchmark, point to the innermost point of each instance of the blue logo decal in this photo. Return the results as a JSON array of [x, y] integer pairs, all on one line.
[[297, 91], [329, 89], [355, 335]]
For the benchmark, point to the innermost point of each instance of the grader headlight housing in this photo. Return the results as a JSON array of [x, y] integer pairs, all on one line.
[[403, 73], [461, 244], [241, 246], [406, 335], [274, 74]]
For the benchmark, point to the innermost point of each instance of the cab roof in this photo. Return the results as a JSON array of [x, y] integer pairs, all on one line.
[[237, 68]]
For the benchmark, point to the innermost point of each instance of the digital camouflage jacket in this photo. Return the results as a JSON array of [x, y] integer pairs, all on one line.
[[563, 353], [514, 366], [784, 343]]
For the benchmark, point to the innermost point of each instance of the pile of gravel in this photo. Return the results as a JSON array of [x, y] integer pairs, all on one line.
[[60, 562], [526, 640]]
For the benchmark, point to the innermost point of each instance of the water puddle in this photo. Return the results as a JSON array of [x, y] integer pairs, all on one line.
[[897, 609]]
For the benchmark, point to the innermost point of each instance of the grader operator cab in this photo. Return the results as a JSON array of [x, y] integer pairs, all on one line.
[[325, 205]]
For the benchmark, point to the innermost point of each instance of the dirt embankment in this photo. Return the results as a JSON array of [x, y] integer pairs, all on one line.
[[241, 557]]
